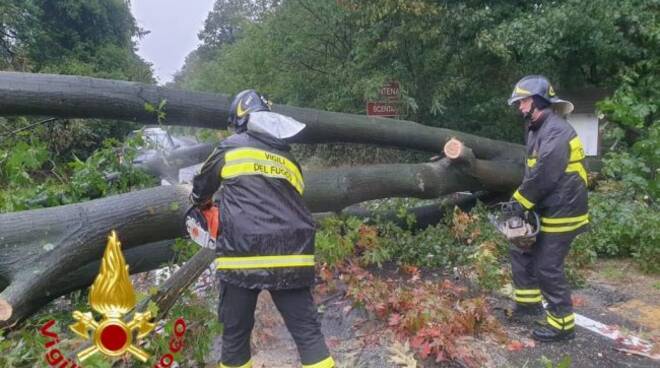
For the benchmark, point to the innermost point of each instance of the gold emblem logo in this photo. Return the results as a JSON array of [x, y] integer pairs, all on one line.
[[551, 91], [112, 296]]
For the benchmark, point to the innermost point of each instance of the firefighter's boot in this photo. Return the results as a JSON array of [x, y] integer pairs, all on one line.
[[556, 329]]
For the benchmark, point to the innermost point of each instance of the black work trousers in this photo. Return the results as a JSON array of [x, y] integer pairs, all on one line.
[[542, 267], [236, 312]]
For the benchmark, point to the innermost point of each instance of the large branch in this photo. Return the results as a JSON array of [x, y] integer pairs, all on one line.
[[424, 216], [139, 259], [167, 165], [39, 247], [170, 290], [84, 97]]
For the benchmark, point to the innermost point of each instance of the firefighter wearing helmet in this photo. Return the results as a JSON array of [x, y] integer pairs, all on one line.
[[267, 238], [555, 187]]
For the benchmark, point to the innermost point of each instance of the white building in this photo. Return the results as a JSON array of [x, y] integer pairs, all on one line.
[[584, 119]]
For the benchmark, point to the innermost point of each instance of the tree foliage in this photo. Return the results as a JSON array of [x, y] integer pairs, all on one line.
[[93, 38], [456, 61], [30, 178]]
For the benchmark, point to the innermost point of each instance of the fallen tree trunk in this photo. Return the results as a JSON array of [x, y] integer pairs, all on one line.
[[74, 242], [424, 216], [84, 97], [40, 247], [167, 165], [427, 180], [139, 259]]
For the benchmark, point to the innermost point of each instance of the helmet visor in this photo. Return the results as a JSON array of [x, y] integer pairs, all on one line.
[[274, 124], [562, 107]]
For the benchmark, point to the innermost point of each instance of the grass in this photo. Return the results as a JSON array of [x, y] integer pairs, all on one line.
[[614, 273]]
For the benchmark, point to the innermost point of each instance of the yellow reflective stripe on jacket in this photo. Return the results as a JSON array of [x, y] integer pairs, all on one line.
[[563, 220], [522, 200], [251, 161], [575, 159], [577, 150], [238, 263], [578, 168], [563, 229], [256, 168], [246, 365], [531, 162], [325, 363]]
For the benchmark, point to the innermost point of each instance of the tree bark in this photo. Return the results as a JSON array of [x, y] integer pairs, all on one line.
[[139, 259], [170, 290], [84, 97], [166, 166], [39, 248]]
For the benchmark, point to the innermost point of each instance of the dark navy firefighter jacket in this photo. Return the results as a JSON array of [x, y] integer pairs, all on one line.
[[267, 237], [555, 181]]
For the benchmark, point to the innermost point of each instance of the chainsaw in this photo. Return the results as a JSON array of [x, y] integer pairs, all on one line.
[[203, 226], [519, 231]]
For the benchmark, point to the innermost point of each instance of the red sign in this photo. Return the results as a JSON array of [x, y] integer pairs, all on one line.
[[382, 109], [390, 91]]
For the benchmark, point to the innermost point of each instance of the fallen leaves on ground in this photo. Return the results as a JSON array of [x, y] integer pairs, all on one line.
[[434, 317], [578, 301], [515, 345]]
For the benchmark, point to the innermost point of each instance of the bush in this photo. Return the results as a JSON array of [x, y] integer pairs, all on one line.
[[621, 226], [30, 180], [463, 239], [336, 239]]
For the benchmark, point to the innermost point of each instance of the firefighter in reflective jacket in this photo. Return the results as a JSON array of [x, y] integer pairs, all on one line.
[[555, 187], [267, 238]]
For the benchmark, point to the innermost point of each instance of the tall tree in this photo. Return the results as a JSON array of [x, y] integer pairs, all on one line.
[[224, 23], [456, 61], [84, 37]]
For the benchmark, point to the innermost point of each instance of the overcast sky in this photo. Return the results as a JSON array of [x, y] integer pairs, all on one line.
[[174, 25]]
